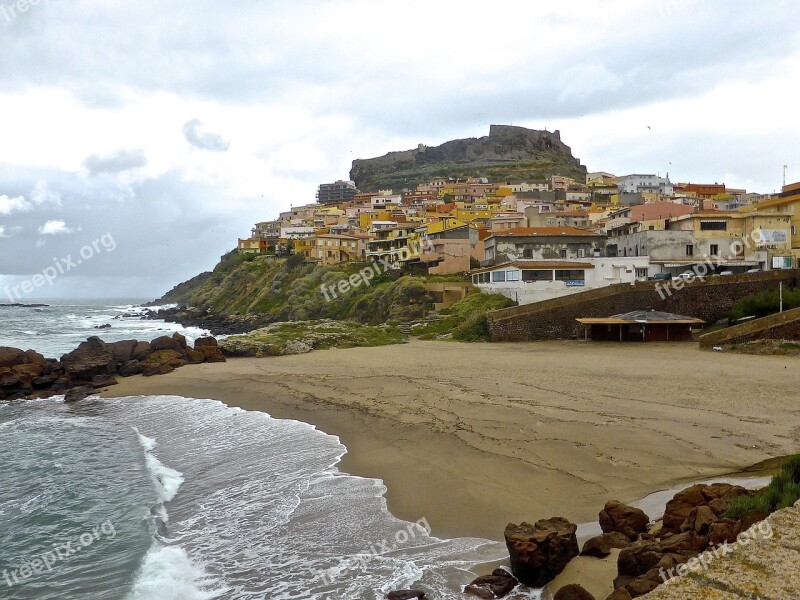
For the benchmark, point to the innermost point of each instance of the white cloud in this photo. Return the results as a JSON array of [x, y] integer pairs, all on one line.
[[57, 227], [205, 140], [42, 195], [16, 204]]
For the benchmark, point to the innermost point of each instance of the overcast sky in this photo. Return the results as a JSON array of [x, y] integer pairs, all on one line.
[[173, 126]]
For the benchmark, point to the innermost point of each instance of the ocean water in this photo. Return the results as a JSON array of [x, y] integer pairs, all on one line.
[[169, 498], [59, 327], [173, 498]]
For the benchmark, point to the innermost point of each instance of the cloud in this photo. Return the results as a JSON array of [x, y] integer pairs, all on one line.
[[212, 142], [57, 227], [7, 232], [116, 162], [16, 204]]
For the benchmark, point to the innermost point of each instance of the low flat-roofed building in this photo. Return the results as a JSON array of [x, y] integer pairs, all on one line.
[[640, 326]]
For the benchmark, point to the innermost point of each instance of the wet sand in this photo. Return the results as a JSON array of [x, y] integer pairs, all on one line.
[[473, 436]]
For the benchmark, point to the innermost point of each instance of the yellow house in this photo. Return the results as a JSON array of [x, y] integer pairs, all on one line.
[[467, 215], [443, 224], [397, 246], [331, 249], [304, 246], [786, 203]]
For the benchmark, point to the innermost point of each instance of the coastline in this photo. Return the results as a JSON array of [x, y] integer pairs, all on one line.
[[471, 449]]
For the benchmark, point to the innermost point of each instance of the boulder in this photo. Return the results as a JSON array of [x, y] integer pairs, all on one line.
[[716, 496], [180, 339], [620, 594], [573, 591], [35, 358], [600, 546], [12, 356], [497, 585], [406, 595], [539, 552], [211, 353], [100, 381], [195, 357], [167, 343], [132, 367], [90, 358], [205, 341], [122, 350], [162, 361], [624, 519], [141, 351], [78, 393], [700, 519]]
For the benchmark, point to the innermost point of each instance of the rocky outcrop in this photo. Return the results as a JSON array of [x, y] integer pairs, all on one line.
[[540, 551], [573, 591], [714, 497], [95, 364], [627, 520], [508, 153], [600, 546], [497, 585], [406, 595], [218, 323]]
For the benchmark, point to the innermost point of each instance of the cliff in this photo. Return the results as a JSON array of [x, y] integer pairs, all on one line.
[[508, 153]]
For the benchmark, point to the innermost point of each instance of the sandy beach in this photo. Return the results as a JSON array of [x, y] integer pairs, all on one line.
[[474, 436]]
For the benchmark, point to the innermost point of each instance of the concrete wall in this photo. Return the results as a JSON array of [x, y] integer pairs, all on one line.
[[710, 300], [780, 326]]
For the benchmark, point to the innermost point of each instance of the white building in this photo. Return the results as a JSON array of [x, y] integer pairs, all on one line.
[[645, 184], [528, 281]]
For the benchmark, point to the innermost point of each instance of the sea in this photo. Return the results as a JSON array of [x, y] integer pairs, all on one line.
[[171, 498]]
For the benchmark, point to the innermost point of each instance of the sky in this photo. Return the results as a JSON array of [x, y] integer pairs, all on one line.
[[140, 139]]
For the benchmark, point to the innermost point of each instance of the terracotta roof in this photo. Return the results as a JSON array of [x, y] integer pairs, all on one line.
[[640, 316], [537, 265], [658, 210], [534, 231]]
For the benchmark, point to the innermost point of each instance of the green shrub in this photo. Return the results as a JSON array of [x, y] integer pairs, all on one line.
[[764, 304], [466, 319], [782, 492]]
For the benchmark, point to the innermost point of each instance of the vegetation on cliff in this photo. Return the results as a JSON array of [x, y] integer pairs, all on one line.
[[465, 321]]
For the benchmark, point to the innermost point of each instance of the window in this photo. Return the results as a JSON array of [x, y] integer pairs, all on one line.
[[713, 225], [512, 275], [689, 249], [570, 275], [581, 252], [714, 249], [527, 253], [537, 275], [794, 230], [498, 276], [563, 253]]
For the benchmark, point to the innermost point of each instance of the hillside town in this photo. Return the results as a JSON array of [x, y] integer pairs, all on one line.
[[542, 240]]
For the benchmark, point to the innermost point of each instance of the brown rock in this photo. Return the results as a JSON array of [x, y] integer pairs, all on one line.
[[28, 371], [620, 594], [627, 520], [600, 546], [90, 358], [166, 343], [700, 519], [132, 367], [497, 585], [211, 353], [539, 552], [162, 361], [123, 350], [78, 393], [640, 587], [180, 339], [679, 508], [573, 591], [100, 381], [205, 341], [35, 358], [406, 595], [723, 531], [195, 357], [12, 356], [141, 351]]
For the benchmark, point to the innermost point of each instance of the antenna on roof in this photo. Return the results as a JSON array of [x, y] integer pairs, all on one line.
[[784, 174]]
